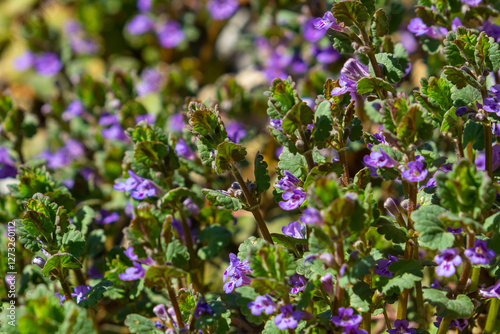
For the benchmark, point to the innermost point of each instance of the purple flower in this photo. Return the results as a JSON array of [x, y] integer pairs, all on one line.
[[287, 318], [310, 32], [479, 254], [419, 28], [326, 55], [382, 267], [83, 46], [298, 282], [7, 165], [294, 229], [159, 325], [354, 330], [47, 64], [114, 132], [327, 283], [311, 216], [144, 5], [107, 217], [138, 187], [150, 83], [292, 199], [351, 73], [491, 105], [262, 304], [379, 159], [235, 274], [79, 292], [133, 273], [140, 24], [183, 149], [202, 307], [161, 311], [455, 230], [346, 318], [409, 42], [74, 109], [447, 261], [472, 3], [170, 35], [415, 172], [25, 61], [222, 9], [176, 123], [401, 327], [235, 132], [148, 118], [276, 124], [325, 22], [460, 324], [456, 23], [491, 292], [288, 182]]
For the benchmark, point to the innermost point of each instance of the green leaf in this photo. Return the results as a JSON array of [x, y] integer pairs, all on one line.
[[464, 96], [451, 123], [492, 223], [73, 243], [287, 241], [138, 324], [376, 86], [122, 86], [271, 261], [459, 44], [175, 196], [350, 13], [391, 231], [474, 132], [95, 294], [92, 93], [465, 189], [300, 114], [218, 198], [84, 218], [487, 53], [460, 78], [177, 254], [293, 163], [216, 238], [262, 178], [380, 24], [392, 68], [282, 97], [158, 275], [433, 232], [95, 242], [322, 122], [150, 153], [341, 42], [227, 154], [462, 307], [58, 261], [146, 132]]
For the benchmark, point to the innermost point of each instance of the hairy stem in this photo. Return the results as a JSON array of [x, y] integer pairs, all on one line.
[[466, 271], [79, 277], [445, 325], [254, 208], [190, 246], [488, 151], [386, 317], [492, 316], [65, 285], [175, 305], [345, 166], [307, 150], [476, 271], [418, 292]]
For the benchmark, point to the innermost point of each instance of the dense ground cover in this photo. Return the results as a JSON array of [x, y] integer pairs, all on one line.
[[249, 166]]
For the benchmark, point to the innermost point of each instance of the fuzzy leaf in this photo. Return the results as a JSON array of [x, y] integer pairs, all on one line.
[[262, 178], [300, 114], [58, 261], [372, 85], [138, 324], [227, 154], [433, 232], [218, 198], [462, 307], [350, 13], [95, 294], [380, 24]]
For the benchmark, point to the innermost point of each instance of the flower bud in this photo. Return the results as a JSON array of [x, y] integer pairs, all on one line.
[[392, 207], [235, 185], [38, 261], [328, 259], [252, 187], [327, 284], [301, 146], [404, 204], [161, 311], [159, 324]]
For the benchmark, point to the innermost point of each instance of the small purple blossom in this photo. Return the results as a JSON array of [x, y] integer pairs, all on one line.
[[235, 132], [479, 254], [415, 172], [161, 311], [351, 73], [491, 292], [133, 273], [354, 330], [144, 5], [74, 109], [298, 283], [447, 261], [346, 318], [170, 35], [138, 187], [325, 22], [25, 61], [292, 199], [79, 292], [402, 327], [222, 9], [311, 216], [287, 318], [472, 3], [47, 64], [382, 267], [310, 32], [106, 217], [140, 24], [7, 165], [235, 274], [327, 283], [288, 182], [419, 28], [202, 307], [262, 304], [150, 82], [294, 229], [183, 149], [379, 159], [460, 323]]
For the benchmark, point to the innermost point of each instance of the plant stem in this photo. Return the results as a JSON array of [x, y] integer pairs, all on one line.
[[64, 285], [79, 277], [307, 150], [476, 271], [175, 305], [403, 304], [190, 246], [492, 316], [412, 202], [254, 208], [459, 147], [466, 271], [445, 325], [488, 151], [386, 317], [345, 166], [418, 292]]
